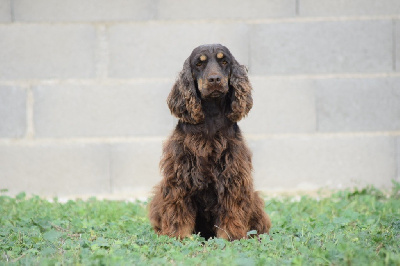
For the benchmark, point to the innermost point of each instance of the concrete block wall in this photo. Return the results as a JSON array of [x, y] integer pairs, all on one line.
[[83, 89]]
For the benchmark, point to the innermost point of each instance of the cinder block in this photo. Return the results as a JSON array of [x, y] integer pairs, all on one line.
[[235, 9], [55, 169], [159, 49], [135, 167], [369, 104], [312, 162], [5, 10], [96, 110], [396, 60], [91, 10], [321, 47], [47, 51], [12, 112], [348, 7], [281, 106]]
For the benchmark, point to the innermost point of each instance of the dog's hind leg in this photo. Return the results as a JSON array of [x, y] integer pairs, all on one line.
[[259, 220], [173, 216]]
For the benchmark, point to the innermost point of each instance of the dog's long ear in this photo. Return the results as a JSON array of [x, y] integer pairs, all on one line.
[[183, 100], [241, 100]]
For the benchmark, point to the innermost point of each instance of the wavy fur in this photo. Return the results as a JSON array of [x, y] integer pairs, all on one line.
[[207, 184]]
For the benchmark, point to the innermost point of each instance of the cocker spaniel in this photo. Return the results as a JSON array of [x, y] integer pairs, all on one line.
[[207, 184]]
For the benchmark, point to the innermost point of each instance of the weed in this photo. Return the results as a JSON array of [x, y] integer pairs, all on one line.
[[350, 227]]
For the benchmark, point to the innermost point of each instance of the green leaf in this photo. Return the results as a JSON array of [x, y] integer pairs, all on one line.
[[52, 235], [252, 232], [101, 242], [21, 196], [48, 251], [341, 221]]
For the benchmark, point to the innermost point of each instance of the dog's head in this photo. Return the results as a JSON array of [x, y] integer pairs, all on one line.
[[210, 72], [211, 69]]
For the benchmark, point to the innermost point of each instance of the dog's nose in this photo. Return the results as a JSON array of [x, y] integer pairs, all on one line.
[[214, 79]]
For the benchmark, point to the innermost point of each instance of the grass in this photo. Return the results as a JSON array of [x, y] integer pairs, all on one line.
[[360, 227]]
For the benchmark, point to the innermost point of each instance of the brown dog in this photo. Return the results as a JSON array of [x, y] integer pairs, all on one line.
[[207, 186]]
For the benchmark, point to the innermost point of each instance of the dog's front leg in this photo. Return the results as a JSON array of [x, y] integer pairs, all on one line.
[[178, 218], [232, 220]]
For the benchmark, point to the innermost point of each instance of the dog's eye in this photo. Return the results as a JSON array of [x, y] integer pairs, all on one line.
[[199, 64], [224, 62]]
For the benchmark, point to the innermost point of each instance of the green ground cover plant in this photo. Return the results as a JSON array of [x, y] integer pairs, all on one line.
[[360, 227]]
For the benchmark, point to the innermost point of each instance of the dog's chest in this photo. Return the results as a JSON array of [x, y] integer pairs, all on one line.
[[208, 157], [210, 149]]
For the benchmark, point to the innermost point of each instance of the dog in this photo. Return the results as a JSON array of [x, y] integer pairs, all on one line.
[[207, 185]]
